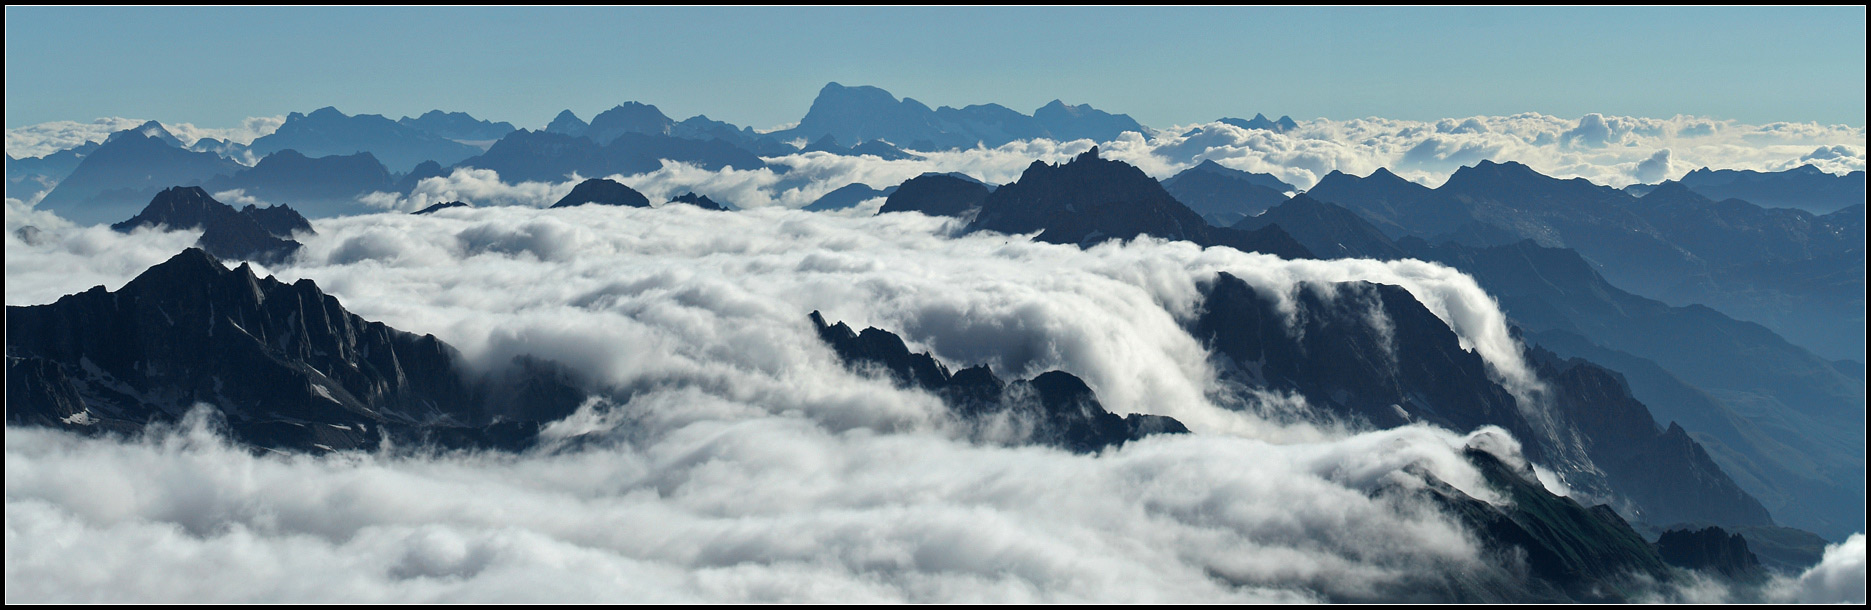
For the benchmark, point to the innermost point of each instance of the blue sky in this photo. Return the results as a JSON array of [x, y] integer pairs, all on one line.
[[762, 66]]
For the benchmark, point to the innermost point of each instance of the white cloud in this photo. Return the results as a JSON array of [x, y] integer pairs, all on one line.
[[1838, 579], [748, 464]]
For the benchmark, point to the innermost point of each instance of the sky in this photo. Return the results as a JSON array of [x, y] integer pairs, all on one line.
[[762, 66]]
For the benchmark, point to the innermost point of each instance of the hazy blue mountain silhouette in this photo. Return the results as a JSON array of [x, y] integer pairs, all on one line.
[[457, 126], [321, 187], [603, 191], [549, 157], [30, 175], [567, 124], [1804, 187], [327, 132], [628, 117], [1260, 121], [132, 166], [862, 114]]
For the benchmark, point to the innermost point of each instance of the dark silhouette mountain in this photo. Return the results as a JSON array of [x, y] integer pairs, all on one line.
[[442, 206], [257, 234], [847, 196], [30, 175], [284, 364], [603, 191], [700, 201], [326, 132], [1091, 200], [567, 124], [628, 117], [1383, 198], [1225, 196], [548, 157], [1805, 187], [119, 177], [1054, 408], [1260, 121], [1713, 550], [1326, 230], [936, 195], [457, 126], [321, 187], [1411, 368], [1066, 122]]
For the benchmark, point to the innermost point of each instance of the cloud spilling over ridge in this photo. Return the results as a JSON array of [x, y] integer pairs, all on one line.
[[60, 258], [747, 463], [47, 138]]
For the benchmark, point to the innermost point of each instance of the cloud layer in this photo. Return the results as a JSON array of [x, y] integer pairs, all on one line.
[[747, 464]]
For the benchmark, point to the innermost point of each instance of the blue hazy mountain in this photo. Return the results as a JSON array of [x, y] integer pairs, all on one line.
[[549, 157], [1797, 274], [1090, 200], [1223, 195], [1260, 121], [327, 132], [628, 117], [1326, 230], [861, 114], [129, 168], [603, 191], [319, 187], [847, 196], [30, 175], [876, 148], [936, 195], [1804, 187], [568, 124], [457, 126]]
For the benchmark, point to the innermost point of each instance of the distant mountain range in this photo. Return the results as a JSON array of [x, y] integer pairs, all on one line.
[[1804, 187]]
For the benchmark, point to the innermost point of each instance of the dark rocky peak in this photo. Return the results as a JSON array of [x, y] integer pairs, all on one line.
[[442, 206], [936, 195], [1224, 196], [1327, 230], [252, 233], [1711, 549], [1057, 407], [603, 191], [700, 201], [567, 123], [629, 117], [285, 365]]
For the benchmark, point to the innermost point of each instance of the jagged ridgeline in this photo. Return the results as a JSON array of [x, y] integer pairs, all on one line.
[[284, 364]]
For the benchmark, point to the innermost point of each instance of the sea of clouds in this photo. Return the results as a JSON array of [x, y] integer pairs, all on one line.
[[747, 463]]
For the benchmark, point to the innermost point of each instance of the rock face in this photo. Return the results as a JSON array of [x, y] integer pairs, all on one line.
[[1091, 200], [284, 364], [1371, 353], [1710, 549], [1055, 408], [603, 191], [1225, 196], [700, 201], [256, 234], [936, 195]]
